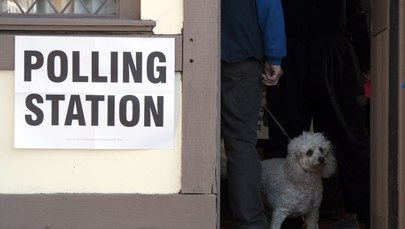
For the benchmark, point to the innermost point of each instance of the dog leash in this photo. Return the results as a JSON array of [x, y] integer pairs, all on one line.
[[278, 124]]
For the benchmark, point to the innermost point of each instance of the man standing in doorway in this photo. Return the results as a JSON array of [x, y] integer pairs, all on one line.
[[252, 47]]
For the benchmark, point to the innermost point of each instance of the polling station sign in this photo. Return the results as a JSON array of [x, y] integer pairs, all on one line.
[[94, 92]]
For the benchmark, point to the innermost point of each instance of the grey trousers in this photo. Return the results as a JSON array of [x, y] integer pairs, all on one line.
[[241, 93]]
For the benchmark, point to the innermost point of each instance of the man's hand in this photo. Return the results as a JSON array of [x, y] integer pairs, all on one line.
[[272, 74]]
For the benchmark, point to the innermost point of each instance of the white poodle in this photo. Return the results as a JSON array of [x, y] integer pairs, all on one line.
[[292, 186]]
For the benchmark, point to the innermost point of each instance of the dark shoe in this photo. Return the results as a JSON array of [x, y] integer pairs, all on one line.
[[348, 222], [364, 225], [329, 215], [292, 223]]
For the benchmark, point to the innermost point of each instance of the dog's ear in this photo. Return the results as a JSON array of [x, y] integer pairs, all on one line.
[[330, 166], [293, 168]]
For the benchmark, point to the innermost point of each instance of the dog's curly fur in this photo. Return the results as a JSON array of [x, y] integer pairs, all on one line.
[[292, 186]]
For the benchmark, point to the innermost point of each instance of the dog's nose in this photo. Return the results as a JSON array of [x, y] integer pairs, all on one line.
[[321, 159]]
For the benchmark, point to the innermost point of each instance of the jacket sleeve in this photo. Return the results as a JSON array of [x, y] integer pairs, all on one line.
[[359, 32], [271, 20]]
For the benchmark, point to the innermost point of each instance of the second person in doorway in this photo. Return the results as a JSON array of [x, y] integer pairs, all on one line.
[[328, 51]]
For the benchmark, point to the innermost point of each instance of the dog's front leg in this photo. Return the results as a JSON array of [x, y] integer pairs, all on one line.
[[311, 219], [278, 218]]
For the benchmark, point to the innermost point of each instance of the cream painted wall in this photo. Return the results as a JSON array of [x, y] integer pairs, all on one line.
[[168, 16], [26, 171]]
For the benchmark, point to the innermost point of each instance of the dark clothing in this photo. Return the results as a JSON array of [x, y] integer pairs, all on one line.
[[328, 47], [241, 91], [240, 32], [322, 20], [252, 31]]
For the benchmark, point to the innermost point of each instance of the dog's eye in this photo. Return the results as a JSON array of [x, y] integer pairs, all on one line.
[[310, 152], [321, 150]]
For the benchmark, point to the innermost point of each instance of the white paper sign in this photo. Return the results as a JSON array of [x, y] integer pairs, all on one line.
[[94, 92]]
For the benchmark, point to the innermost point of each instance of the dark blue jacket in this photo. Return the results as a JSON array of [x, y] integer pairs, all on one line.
[[252, 28]]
